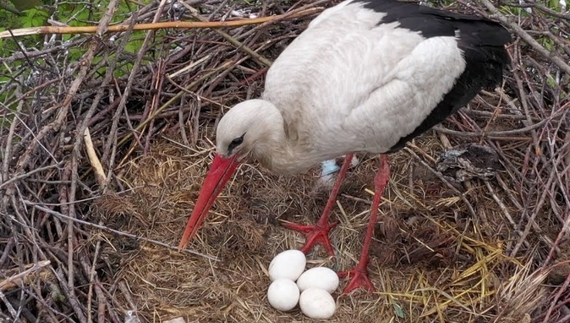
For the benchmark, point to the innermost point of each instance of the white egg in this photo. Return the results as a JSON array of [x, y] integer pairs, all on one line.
[[288, 264], [319, 277], [317, 303], [283, 294]]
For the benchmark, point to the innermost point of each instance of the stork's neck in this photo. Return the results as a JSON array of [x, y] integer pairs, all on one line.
[[274, 148]]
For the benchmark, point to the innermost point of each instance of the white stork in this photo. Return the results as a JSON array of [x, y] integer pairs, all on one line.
[[365, 76]]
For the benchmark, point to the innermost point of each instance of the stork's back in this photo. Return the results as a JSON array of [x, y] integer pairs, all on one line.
[[481, 40], [377, 73]]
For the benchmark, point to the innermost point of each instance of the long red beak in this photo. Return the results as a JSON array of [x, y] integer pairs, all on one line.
[[219, 174]]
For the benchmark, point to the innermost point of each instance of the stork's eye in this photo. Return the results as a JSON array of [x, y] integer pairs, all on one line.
[[236, 142]]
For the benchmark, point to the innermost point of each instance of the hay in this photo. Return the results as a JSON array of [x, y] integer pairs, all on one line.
[[81, 243]]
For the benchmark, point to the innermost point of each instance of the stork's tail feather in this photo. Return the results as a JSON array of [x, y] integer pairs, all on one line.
[[483, 44]]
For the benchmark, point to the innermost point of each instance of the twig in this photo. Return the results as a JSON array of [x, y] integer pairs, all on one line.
[[73, 301], [12, 281], [121, 233], [527, 38], [436, 173], [28, 174], [231, 39], [499, 134], [39, 53], [10, 308], [541, 8], [95, 162], [150, 26], [561, 289]]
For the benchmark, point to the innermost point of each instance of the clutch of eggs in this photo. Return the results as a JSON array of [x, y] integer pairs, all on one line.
[[292, 285]]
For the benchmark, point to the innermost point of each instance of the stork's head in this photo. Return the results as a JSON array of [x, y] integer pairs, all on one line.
[[239, 131]]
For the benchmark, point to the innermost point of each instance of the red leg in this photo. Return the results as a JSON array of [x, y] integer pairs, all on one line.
[[360, 274], [319, 233]]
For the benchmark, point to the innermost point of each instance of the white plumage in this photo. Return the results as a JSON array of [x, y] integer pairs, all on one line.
[[344, 85], [365, 76]]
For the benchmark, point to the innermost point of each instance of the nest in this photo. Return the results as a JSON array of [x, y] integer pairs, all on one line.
[[103, 157]]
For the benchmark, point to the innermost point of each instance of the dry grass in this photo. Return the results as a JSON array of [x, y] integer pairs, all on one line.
[[431, 260], [80, 245]]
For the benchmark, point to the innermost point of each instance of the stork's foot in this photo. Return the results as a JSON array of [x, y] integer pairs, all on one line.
[[315, 234], [319, 233], [359, 279]]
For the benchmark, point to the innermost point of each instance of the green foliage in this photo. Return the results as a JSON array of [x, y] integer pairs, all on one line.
[[514, 11], [33, 18], [29, 18], [135, 44], [9, 20], [86, 13], [555, 5], [546, 42], [79, 13]]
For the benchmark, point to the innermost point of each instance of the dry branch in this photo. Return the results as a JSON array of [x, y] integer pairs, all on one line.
[[153, 26], [24, 277]]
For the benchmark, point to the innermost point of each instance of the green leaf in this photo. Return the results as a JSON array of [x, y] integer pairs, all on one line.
[[34, 18]]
